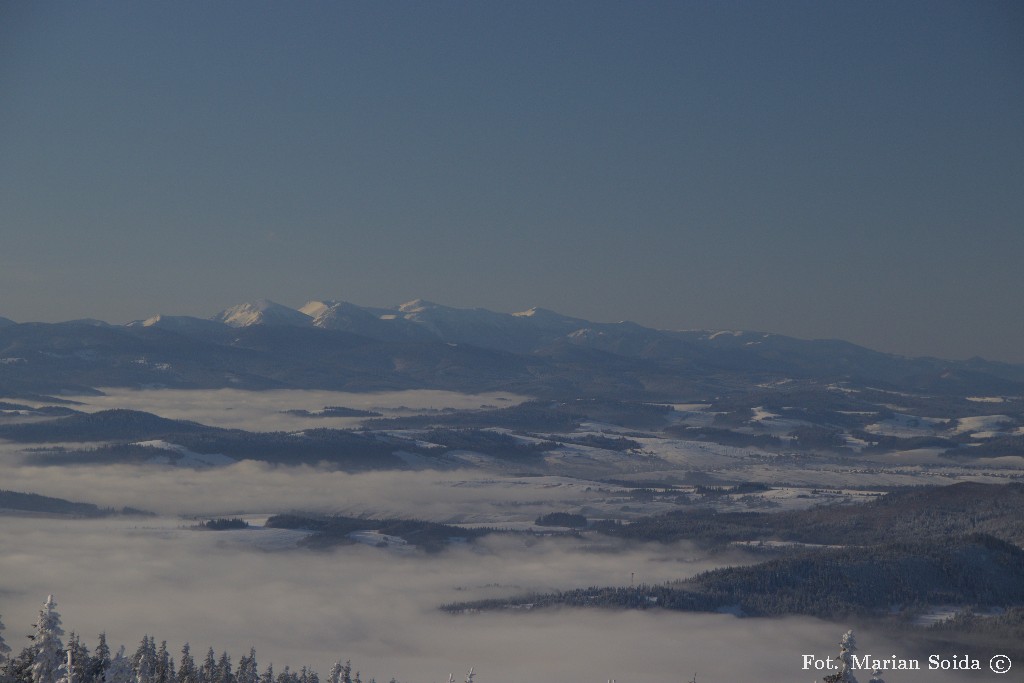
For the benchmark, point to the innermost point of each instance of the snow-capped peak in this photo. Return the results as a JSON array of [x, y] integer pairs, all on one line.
[[262, 312], [315, 308], [418, 306]]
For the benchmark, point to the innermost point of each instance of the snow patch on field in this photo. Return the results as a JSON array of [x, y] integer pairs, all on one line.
[[902, 425], [983, 423], [762, 413]]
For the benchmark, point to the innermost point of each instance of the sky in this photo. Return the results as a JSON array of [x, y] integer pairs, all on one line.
[[818, 169]]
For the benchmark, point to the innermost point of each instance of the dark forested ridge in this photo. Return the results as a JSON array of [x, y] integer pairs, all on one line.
[[335, 530], [903, 515], [102, 425], [972, 570], [890, 558], [37, 504]]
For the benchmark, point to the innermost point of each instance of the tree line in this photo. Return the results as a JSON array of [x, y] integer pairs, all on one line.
[[47, 659]]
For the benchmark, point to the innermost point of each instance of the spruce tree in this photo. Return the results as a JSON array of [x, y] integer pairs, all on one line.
[[81, 662], [48, 663], [847, 646], [247, 671], [163, 665], [4, 647], [120, 669], [100, 661], [208, 672], [224, 673], [187, 669]]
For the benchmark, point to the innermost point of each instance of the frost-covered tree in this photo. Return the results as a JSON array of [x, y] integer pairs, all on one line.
[[247, 671], [120, 669], [224, 673], [187, 672], [81, 662], [287, 676], [48, 664], [144, 661], [164, 666], [876, 677], [208, 672], [268, 675], [100, 660], [847, 646], [4, 647]]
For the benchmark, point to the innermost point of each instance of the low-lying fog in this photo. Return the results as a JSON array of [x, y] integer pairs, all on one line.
[[261, 411], [133, 576], [248, 486]]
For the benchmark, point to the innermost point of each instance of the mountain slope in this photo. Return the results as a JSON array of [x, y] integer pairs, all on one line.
[[262, 312]]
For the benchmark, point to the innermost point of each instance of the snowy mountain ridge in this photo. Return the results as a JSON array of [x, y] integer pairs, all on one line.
[[262, 312]]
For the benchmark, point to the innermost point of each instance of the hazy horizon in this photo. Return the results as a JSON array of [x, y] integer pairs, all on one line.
[[819, 170]]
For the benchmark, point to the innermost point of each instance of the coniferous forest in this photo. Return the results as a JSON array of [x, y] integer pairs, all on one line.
[[46, 657]]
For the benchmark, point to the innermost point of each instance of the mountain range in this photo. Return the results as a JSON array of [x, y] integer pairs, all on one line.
[[420, 344]]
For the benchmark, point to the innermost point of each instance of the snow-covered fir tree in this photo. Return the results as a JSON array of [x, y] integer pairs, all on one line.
[[208, 672], [4, 647], [847, 646], [164, 666], [81, 662], [247, 669], [48, 663], [187, 672], [224, 673], [144, 660], [341, 673], [99, 661], [120, 669]]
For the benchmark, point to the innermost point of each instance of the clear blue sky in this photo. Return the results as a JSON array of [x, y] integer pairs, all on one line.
[[819, 169]]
